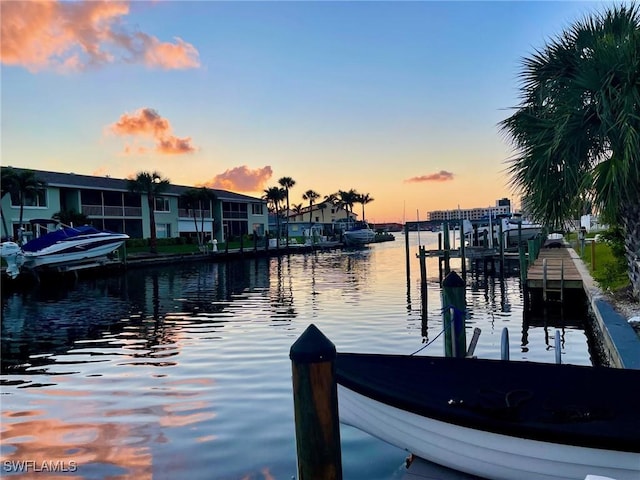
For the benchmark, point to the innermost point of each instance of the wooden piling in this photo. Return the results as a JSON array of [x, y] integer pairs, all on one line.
[[462, 250], [423, 280], [406, 248], [454, 306], [315, 403]]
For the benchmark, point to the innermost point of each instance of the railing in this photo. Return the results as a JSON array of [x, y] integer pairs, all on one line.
[[111, 211], [187, 213]]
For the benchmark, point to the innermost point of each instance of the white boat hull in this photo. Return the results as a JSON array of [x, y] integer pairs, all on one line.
[[481, 453], [359, 237]]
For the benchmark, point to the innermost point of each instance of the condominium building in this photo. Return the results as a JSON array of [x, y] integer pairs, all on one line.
[[108, 204], [502, 207]]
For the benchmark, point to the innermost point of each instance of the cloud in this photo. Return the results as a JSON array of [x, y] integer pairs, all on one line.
[[441, 176], [242, 179], [70, 36], [146, 122]]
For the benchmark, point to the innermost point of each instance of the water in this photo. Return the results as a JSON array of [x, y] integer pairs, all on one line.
[[183, 371]]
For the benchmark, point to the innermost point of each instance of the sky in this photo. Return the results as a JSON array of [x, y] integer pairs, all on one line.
[[398, 100]]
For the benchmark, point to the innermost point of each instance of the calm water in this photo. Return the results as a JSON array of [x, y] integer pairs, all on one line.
[[183, 372]]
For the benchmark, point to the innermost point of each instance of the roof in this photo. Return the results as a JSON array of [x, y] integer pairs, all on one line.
[[74, 180]]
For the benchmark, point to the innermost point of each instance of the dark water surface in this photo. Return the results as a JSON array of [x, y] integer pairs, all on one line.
[[183, 371]]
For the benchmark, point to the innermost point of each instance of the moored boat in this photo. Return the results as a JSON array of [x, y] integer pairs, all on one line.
[[358, 234], [497, 419], [68, 246]]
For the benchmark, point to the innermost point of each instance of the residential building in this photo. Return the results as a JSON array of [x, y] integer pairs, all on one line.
[[502, 207], [108, 204]]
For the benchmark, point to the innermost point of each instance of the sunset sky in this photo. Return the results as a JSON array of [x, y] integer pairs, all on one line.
[[399, 100]]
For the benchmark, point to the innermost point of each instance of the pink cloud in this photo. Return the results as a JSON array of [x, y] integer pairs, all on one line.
[[242, 179], [441, 176], [147, 122], [70, 36]]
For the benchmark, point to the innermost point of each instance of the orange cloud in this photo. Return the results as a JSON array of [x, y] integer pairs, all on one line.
[[70, 36], [242, 179], [146, 122], [441, 176]]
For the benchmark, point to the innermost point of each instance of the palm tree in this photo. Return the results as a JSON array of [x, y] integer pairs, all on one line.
[[152, 185], [26, 184], [347, 199], [312, 196], [364, 198], [70, 217], [287, 183], [275, 195], [297, 208], [190, 198], [8, 181], [206, 197], [577, 128]]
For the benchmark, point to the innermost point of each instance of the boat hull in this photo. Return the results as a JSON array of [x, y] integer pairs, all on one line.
[[359, 237], [82, 251], [480, 453], [495, 419]]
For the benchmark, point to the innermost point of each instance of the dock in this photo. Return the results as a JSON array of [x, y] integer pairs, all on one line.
[[554, 271]]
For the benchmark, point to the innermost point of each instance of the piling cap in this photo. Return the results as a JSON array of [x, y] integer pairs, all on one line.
[[312, 347], [453, 280]]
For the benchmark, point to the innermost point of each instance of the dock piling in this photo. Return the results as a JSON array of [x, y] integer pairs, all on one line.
[[453, 315], [315, 403]]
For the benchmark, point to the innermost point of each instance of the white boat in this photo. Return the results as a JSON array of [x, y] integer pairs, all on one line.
[[61, 248], [497, 419], [513, 229], [358, 234]]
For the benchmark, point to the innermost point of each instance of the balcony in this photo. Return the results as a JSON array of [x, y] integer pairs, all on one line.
[[186, 213], [111, 211]]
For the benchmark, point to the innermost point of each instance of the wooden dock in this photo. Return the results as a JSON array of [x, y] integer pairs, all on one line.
[[554, 271]]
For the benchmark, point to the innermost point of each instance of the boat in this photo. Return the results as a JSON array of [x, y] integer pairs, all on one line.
[[358, 233], [515, 229], [64, 247], [497, 419]]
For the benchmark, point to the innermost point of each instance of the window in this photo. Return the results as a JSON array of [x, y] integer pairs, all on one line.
[[163, 230], [256, 208], [33, 198], [162, 204], [234, 210]]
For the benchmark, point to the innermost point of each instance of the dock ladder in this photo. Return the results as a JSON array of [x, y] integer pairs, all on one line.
[[552, 272]]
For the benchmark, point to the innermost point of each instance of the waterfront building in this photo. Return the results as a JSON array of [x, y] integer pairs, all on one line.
[[502, 207], [108, 204]]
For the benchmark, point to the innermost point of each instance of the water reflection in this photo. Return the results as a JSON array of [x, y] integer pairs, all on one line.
[[180, 371]]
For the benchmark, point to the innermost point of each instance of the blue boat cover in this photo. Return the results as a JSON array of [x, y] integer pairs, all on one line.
[[56, 236]]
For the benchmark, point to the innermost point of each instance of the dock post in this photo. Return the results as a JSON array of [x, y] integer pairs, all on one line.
[[423, 280], [406, 248], [504, 344], [501, 244], [593, 255], [440, 256], [453, 315], [523, 263], [315, 404], [531, 251], [558, 347], [462, 250], [447, 248]]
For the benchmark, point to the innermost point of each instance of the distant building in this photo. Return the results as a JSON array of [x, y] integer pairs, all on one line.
[[502, 207], [108, 204]]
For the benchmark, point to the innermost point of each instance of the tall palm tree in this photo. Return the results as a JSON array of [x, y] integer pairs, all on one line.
[[26, 184], [275, 195], [8, 184], [151, 184], [190, 198], [577, 128], [347, 199], [364, 198], [287, 183], [206, 197], [312, 196]]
